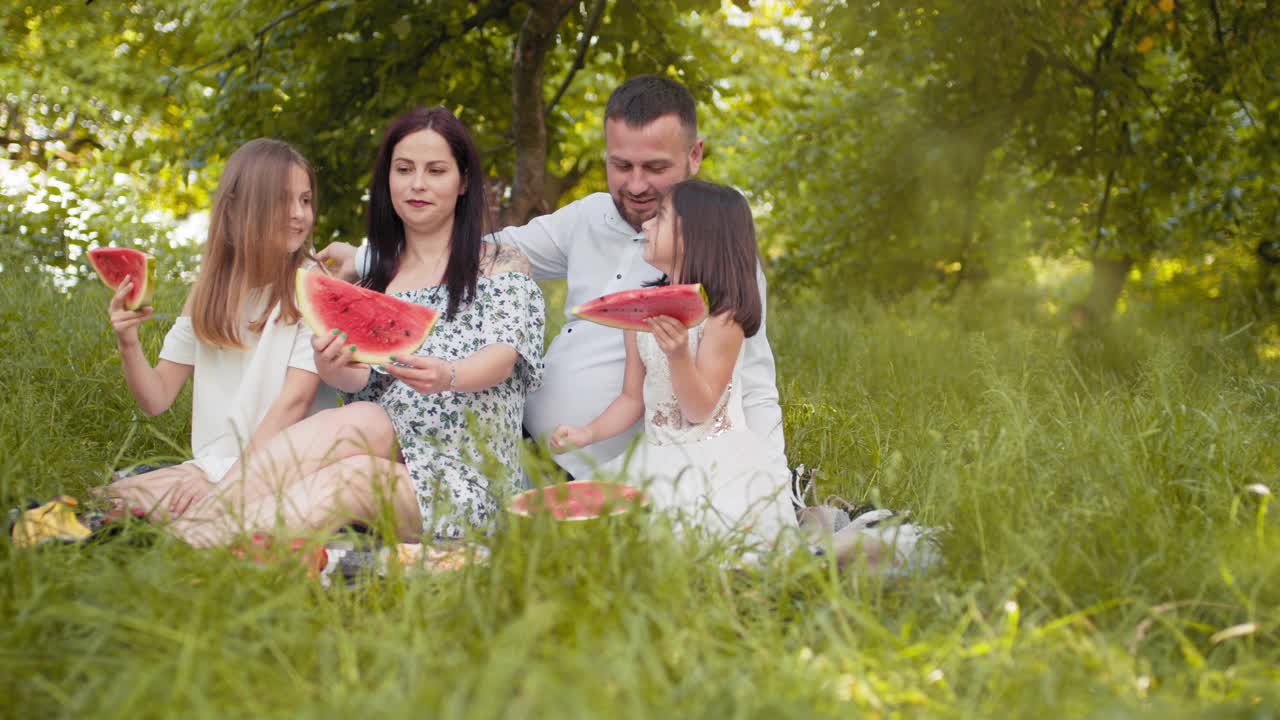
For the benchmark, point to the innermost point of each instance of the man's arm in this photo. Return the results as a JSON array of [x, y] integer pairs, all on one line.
[[759, 384], [545, 240]]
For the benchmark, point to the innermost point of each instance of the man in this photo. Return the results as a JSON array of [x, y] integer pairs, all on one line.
[[651, 143]]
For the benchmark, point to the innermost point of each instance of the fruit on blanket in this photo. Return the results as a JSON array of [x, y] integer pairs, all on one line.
[[116, 264], [263, 549], [630, 308], [378, 325], [579, 500]]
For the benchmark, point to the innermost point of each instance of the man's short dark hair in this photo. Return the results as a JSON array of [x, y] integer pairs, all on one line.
[[645, 98]]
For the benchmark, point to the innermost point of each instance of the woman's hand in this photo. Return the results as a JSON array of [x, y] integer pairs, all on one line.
[[187, 493], [333, 354], [335, 364], [566, 437], [671, 334], [126, 322], [427, 375]]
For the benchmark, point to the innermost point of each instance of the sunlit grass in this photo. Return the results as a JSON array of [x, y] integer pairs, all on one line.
[[1109, 547]]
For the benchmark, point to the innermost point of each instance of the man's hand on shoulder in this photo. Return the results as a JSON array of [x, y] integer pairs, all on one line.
[[339, 258]]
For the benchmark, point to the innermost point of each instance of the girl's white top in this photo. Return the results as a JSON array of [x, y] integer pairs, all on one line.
[[232, 389]]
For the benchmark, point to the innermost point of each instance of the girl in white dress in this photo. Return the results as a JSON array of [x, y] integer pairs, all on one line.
[[239, 332], [697, 459]]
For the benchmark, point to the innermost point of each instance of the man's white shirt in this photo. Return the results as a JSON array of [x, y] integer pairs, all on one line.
[[588, 243]]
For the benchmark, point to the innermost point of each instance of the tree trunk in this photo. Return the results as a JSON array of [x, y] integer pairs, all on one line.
[[528, 123], [1109, 277]]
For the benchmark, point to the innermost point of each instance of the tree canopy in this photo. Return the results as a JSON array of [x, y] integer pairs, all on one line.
[[890, 145]]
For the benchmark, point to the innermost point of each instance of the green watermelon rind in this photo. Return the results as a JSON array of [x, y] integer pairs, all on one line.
[[586, 311], [310, 316], [148, 286], [519, 505]]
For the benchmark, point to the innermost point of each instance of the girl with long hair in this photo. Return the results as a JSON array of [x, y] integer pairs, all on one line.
[[238, 334]]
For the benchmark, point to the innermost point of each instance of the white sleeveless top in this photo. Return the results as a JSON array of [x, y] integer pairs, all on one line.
[[664, 423]]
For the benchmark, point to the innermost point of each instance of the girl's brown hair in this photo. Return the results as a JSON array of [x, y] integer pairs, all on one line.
[[719, 237], [245, 250]]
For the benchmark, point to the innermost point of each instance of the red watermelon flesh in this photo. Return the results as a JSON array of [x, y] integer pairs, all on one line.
[[579, 500], [116, 264], [378, 325], [630, 308]]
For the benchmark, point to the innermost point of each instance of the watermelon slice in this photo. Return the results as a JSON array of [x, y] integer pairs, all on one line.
[[378, 325], [630, 308], [579, 500], [116, 264]]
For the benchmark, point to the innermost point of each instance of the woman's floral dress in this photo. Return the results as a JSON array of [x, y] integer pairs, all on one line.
[[462, 449]]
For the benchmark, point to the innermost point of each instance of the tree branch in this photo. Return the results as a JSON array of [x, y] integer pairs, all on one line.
[[579, 60], [1099, 57], [492, 11], [1059, 62], [1217, 22], [258, 35], [1108, 42], [1102, 212]]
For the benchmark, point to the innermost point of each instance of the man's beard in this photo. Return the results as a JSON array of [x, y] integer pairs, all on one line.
[[635, 220]]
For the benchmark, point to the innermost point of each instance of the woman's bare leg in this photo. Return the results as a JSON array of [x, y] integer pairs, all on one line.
[[356, 489]]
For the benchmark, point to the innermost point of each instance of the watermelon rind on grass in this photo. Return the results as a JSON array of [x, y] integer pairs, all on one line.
[[379, 325], [113, 265], [629, 309]]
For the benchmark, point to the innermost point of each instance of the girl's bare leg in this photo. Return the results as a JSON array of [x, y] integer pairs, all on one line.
[[359, 488], [149, 492], [298, 451]]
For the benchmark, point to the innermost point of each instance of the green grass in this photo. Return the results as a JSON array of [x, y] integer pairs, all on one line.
[[1099, 533]]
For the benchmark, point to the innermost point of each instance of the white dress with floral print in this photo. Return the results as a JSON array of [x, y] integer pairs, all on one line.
[[462, 449]]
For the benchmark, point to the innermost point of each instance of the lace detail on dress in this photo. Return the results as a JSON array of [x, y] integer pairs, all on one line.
[[664, 423]]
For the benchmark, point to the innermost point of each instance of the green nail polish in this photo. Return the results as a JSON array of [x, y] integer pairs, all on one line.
[[392, 358], [353, 348], [336, 331], [344, 336]]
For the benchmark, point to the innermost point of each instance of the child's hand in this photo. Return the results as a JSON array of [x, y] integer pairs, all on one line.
[[566, 437], [333, 354], [340, 259], [126, 322], [425, 374], [671, 334]]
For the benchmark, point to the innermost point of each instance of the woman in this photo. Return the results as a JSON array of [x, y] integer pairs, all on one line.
[[453, 408]]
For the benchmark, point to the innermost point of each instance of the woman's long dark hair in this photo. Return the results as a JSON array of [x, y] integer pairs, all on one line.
[[714, 222], [386, 229]]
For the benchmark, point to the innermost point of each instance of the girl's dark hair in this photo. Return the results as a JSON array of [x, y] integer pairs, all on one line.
[[386, 229], [714, 222]]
